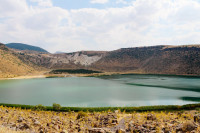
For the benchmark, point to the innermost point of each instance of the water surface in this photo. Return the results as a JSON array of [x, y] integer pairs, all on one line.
[[116, 90]]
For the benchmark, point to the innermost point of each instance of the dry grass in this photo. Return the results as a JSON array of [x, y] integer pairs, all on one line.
[[11, 66]]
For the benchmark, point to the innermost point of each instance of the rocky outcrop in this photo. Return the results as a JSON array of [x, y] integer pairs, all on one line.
[[68, 60], [76, 58], [197, 118], [186, 127], [151, 117]]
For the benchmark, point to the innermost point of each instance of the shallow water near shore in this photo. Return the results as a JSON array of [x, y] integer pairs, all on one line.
[[104, 91]]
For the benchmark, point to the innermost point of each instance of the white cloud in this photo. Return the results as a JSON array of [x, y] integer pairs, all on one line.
[[10, 8], [144, 22], [99, 1]]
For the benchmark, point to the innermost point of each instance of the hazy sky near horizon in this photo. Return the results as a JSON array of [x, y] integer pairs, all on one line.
[[74, 25]]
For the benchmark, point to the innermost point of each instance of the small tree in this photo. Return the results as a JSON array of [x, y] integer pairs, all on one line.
[[56, 106], [39, 107]]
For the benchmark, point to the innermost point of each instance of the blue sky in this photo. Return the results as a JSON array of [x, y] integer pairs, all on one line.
[[77, 4], [74, 25]]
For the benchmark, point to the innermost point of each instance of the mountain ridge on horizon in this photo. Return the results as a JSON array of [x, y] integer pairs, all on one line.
[[25, 47], [17, 46], [162, 59]]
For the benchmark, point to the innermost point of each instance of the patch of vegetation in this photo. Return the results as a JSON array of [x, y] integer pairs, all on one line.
[[56, 106], [73, 71], [100, 109], [53, 76], [39, 107]]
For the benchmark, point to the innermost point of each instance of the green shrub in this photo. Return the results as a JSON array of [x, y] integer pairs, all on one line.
[[39, 107], [56, 106], [73, 71], [81, 114], [198, 109]]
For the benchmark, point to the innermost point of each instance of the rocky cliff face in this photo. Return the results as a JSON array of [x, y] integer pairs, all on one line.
[[81, 59], [76, 58]]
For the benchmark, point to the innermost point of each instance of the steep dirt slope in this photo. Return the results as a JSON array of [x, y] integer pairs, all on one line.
[[11, 65]]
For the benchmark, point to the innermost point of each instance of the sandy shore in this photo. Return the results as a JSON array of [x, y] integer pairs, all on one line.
[[25, 77], [55, 76]]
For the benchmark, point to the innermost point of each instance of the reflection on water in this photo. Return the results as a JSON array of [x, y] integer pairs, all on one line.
[[195, 99], [116, 90], [185, 88]]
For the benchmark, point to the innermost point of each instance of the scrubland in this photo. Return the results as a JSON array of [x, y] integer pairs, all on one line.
[[37, 121]]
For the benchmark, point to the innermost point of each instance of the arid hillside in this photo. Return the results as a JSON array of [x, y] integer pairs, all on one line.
[[181, 60], [153, 60], [11, 66]]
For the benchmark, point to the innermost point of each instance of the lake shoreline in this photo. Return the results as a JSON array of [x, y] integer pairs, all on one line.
[[94, 75]]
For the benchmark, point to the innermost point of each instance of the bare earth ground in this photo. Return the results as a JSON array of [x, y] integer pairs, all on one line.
[[55, 75], [12, 119]]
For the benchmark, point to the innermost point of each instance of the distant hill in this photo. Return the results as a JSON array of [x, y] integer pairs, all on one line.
[[21, 46], [59, 52]]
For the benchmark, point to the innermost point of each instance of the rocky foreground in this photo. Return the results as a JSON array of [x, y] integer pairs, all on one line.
[[18, 120]]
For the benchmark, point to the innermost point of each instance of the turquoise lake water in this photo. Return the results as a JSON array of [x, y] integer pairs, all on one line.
[[105, 91]]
